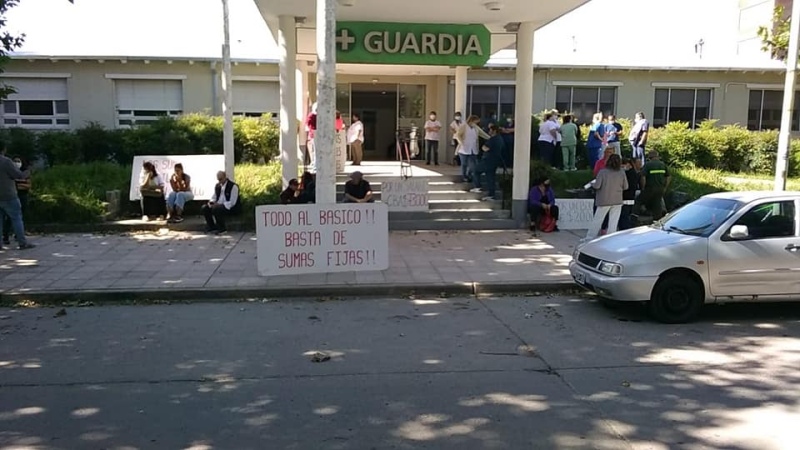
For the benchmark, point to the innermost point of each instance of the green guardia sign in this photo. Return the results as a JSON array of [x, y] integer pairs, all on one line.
[[412, 43]]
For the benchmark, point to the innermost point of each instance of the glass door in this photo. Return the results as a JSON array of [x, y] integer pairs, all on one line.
[[343, 99]]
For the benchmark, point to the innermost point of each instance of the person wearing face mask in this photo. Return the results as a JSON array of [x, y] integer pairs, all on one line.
[[432, 128], [455, 125], [468, 137], [542, 200], [10, 205]]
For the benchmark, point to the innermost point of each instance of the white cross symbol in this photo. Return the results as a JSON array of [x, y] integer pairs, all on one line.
[[345, 40]]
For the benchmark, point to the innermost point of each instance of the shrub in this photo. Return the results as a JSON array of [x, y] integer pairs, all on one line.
[[75, 193], [255, 139]]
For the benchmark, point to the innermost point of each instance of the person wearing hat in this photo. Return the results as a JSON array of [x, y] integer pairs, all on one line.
[[654, 183], [357, 189]]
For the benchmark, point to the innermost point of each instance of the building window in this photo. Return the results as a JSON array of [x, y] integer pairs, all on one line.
[[256, 98], [145, 101], [38, 103], [692, 106], [765, 108], [584, 102], [483, 100]]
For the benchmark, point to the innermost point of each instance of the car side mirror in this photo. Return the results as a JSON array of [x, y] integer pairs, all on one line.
[[739, 232]]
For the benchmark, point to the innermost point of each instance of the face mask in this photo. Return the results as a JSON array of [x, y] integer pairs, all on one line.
[[547, 184], [433, 117], [458, 117], [18, 165]]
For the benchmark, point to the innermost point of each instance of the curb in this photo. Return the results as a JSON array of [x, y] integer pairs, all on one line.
[[207, 295]]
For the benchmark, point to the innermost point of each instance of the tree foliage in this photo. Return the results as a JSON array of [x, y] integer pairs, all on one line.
[[8, 43], [775, 36]]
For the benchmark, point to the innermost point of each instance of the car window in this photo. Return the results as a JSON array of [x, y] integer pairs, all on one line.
[[770, 220], [701, 217]]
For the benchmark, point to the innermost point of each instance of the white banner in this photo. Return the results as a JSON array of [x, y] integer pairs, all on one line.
[[575, 213], [202, 168], [410, 194], [302, 239]]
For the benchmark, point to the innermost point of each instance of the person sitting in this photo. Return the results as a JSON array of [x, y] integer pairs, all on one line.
[[291, 195], [181, 184], [225, 202], [542, 200], [357, 189], [151, 188], [308, 188]]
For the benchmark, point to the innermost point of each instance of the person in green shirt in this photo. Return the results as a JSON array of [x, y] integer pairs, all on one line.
[[654, 183], [569, 143]]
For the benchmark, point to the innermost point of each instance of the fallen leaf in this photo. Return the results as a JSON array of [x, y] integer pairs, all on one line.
[[319, 357], [626, 384]]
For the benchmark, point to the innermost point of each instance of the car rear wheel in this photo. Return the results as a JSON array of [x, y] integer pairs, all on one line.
[[676, 299]]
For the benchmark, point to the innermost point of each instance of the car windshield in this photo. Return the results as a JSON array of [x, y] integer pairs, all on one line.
[[701, 217]]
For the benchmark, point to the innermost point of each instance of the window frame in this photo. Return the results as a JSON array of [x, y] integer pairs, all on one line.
[[55, 120], [781, 203], [126, 118], [571, 104], [763, 92], [498, 106], [694, 124]]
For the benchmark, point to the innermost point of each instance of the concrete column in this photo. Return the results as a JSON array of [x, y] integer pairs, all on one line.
[[303, 104], [461, 91], [324, 137], [227, 99], [522, 119], [287, 43]]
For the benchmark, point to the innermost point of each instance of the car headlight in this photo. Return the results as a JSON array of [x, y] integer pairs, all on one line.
[[575, 254], [610, 268]]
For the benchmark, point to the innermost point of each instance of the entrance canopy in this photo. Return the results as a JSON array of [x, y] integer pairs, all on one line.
[[500, 17]]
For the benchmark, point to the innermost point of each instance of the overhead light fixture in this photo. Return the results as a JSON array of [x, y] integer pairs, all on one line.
[[512, 27], [493, 6]]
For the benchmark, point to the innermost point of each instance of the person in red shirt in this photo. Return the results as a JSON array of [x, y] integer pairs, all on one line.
[[600, 165], [311, 127]]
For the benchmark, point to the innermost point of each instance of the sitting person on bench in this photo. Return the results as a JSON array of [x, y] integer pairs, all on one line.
[[292, 194], [181, 184], [225, 202], [357, 189]]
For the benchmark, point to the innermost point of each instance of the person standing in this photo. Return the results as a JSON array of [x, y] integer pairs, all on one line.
[[638, 136], [455, 125], [10, 205], [507, 130], [488, 164], [654, 183], [548, 133], [23, 189], [432, 128], [594, 145], [613, 130], [355, 138], [311, 128], [468, 135], [569, 143], [224, 203], [609, 186], [632, 167]]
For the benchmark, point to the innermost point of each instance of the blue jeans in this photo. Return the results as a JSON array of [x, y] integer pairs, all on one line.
[[13, 209], [488, 165], [178, 199], [638, 152], [467, 165]]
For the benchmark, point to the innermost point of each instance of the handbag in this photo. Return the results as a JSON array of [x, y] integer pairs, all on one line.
[[546, 223], [151, 192]]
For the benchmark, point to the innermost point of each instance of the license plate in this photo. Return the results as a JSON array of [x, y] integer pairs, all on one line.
[[580, 277]]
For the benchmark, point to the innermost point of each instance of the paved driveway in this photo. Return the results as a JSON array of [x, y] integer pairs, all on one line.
[[434, 373]]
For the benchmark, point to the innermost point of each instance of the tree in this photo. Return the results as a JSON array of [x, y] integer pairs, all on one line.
[[8, 43], [775, 37]]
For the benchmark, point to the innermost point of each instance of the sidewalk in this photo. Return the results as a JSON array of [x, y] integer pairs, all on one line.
[[171, 265]]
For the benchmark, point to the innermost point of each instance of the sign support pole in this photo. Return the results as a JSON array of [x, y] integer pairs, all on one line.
[[227, 91], [324, 137], [785, 136]]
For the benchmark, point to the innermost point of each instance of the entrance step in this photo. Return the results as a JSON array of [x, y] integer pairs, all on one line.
[[453, 224], [451, 214]]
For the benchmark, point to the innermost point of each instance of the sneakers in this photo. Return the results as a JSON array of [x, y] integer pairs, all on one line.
[[26, 246], [178, 219], [476, 190], [488, 198]]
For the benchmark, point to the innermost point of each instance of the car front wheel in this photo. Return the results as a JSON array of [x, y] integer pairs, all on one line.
[[676, 299]]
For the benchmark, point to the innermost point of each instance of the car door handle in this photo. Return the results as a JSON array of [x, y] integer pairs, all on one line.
[[792, 248]]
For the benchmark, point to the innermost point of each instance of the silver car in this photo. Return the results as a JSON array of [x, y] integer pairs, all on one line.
[[726, 247]]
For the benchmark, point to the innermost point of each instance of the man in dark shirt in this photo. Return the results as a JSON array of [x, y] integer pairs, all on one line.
[[633, 168], [291, 194], [654, 182], [357, 189]]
